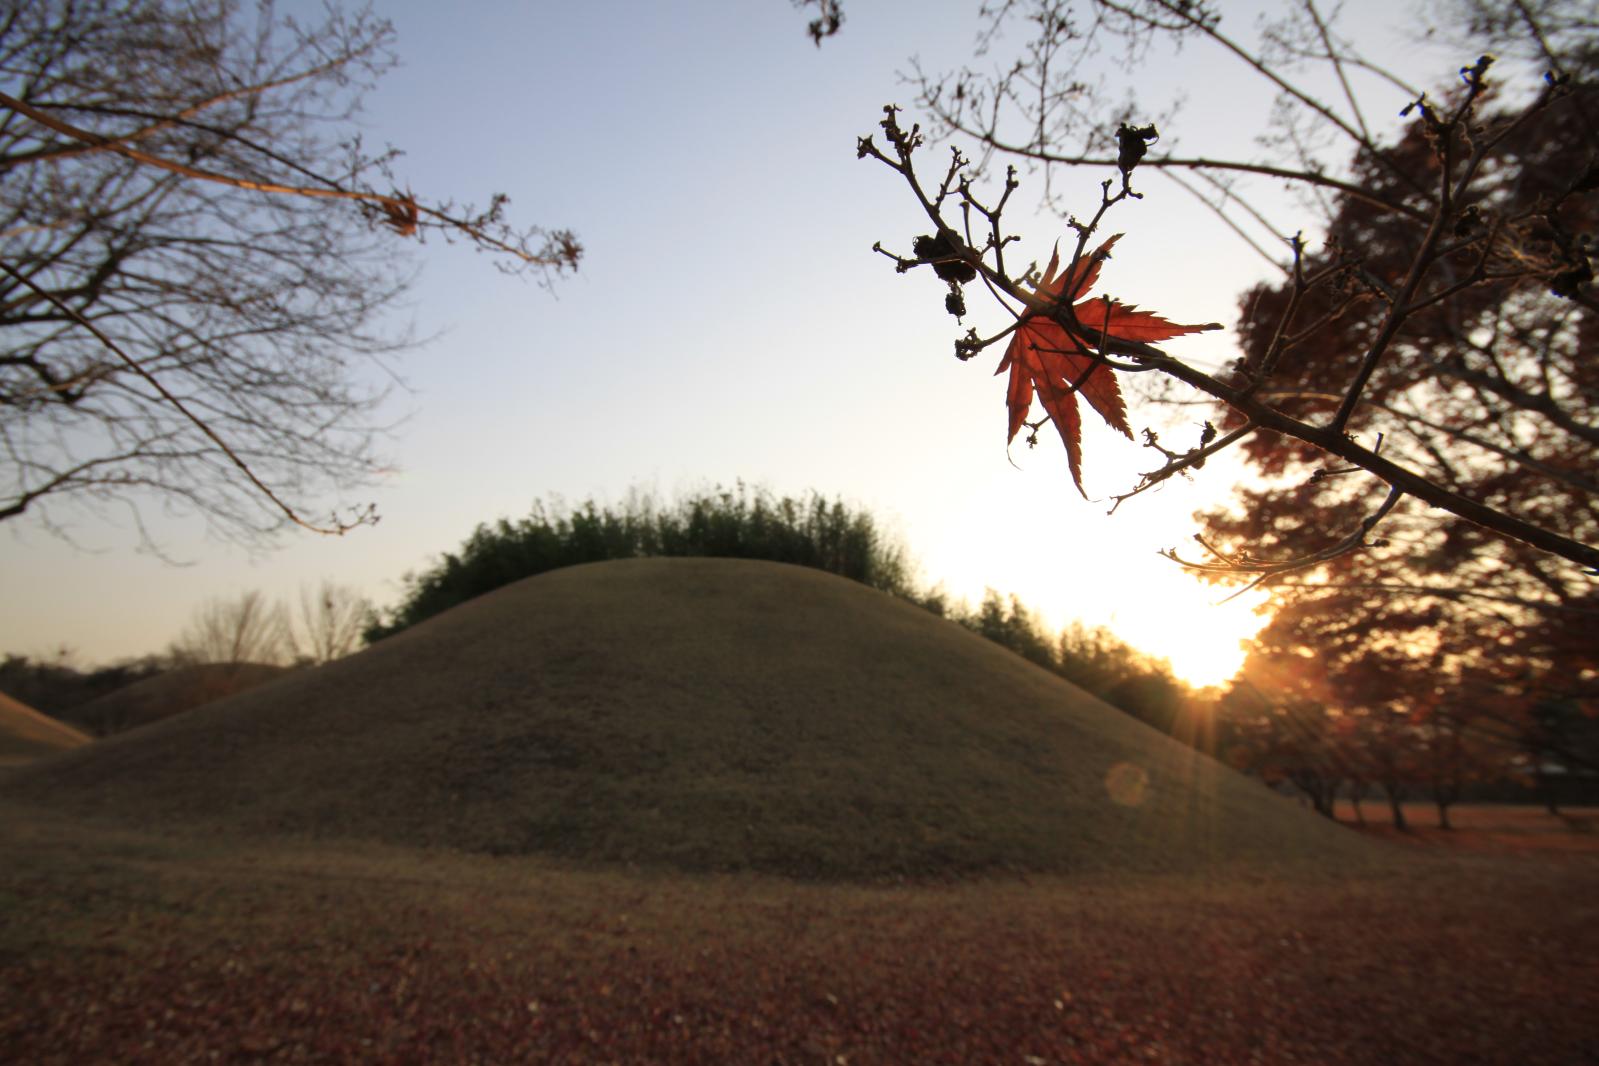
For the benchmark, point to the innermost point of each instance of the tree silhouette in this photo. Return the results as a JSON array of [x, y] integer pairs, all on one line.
[[1464, 208], [194, 251], [246, 629], [1489, 389]]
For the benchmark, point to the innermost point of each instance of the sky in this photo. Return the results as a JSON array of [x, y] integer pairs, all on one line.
[[729, 322]]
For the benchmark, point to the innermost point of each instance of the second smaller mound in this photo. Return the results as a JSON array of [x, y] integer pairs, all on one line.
[[165, 695], [25, 734]]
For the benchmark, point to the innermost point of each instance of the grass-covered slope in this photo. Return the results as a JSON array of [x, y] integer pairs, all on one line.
[[25, 734], [167, 694], [702, 713]]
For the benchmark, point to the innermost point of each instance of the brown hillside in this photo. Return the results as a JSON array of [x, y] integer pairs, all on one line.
[[167, 694], [25, 734], [701, 713]]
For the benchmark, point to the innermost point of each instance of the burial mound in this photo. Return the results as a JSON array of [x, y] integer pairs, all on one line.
[[705, 714], [25, 734]]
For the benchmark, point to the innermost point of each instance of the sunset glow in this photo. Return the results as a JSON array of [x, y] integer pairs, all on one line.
[[498, 412], [1199, 635]]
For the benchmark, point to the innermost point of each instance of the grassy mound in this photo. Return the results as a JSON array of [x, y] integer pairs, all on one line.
[[25, 734], [167, 694], [697, 713]]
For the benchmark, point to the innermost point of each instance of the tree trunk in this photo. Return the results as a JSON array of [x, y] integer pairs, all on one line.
[[1545, 788], [1323, 803], [1397, 806], [1443, 815]]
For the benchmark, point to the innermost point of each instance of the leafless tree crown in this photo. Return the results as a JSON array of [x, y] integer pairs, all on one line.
[[247, 629], [195, 251], [330, 623]]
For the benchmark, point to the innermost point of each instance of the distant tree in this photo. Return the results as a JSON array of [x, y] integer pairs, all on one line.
[[330, 622], [1095, 659], [1154, 697], [1011, 625], [1394, 757], [246, 629], [1092, 658], [195, 250], [1449, 762], [1559, 745], [1391, 716], [1287, 737]]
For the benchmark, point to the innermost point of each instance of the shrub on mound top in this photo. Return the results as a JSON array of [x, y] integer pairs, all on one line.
[[741, 523]]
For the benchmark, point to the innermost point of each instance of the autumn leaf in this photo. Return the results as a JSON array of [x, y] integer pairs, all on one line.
[[1044, 358]]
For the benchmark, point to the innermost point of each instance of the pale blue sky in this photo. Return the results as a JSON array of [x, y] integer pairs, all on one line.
[[729, 321]]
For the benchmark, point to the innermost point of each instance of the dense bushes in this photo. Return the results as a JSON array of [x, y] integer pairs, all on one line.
[[740, 523], [1093, 659], [810, 531]]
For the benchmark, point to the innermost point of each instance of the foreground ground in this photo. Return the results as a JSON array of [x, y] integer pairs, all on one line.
[[127, 948]]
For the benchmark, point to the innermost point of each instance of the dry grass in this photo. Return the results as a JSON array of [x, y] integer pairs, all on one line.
[[696, 714]]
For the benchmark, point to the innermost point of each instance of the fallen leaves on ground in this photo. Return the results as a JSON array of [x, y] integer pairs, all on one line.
[[1456, 963]]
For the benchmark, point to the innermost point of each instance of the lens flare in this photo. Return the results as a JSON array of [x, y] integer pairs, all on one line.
[[1127, 784]]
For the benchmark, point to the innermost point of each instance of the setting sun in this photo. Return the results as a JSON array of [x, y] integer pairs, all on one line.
[[1078, 564], [1183, 621], [1149, 603]]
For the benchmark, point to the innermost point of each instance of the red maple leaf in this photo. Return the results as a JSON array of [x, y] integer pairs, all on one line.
[[1044, 357]]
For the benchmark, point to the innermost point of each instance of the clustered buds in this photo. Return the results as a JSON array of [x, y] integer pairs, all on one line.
[[1131, 144], [940, 251]]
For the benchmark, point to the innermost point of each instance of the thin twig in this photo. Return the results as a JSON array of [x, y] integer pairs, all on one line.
[[338, 529]]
